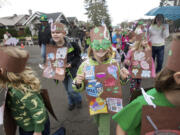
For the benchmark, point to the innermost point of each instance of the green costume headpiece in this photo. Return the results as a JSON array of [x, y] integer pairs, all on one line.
[[58, 27], [43, 18], [100, 38], [140, 22]]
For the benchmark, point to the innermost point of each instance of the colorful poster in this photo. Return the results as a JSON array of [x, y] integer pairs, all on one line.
[[165, 119], [97, 105], [142, 64], [114, 104], [103, 88], [56, 59]]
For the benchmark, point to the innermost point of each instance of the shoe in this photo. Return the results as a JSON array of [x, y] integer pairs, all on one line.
[[71, 107], [41, 66], [79, 105]]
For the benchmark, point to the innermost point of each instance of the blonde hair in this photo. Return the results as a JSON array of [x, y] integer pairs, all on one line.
[[26, 80], [139, 45]]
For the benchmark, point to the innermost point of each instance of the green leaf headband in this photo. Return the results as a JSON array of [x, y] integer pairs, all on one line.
[[104, 44]]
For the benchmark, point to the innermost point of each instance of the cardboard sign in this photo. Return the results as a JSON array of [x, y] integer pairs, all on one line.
[[141, 64], [165, 119], [56, 60], [103, 88]]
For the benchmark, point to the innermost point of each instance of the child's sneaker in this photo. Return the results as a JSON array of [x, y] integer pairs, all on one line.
[[79, 105], [71, 107]]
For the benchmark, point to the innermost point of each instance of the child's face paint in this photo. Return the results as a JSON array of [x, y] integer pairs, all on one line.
[[57, 36]]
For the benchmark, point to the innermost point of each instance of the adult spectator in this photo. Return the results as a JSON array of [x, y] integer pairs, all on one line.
[[6, 36], [158, 32], [44, 36], [74, 31]]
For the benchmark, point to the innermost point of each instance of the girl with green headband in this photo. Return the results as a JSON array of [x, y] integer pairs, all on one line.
[[99, 52]]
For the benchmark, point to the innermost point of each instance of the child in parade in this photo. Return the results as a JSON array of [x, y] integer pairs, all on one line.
[[132, 61], [23, 92], [58, 32], [165, 95], [99, 53], [126, 43], [116, 39], [87, 41], [130, 43], [124, 40]]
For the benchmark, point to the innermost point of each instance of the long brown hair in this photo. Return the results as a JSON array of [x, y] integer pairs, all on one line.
[[139, 44]]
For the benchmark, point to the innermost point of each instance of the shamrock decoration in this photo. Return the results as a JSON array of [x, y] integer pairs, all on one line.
[[170, 53], [104, 44], [96, 30], [101, 35]]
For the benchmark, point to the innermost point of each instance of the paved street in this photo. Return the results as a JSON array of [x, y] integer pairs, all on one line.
[[78, 121]]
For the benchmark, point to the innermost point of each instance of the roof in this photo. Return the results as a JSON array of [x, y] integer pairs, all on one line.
[[71, 19], [11, 20], [53, 16]]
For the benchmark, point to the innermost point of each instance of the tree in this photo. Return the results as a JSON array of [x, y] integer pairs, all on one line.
[[27, 31], [97, 12]]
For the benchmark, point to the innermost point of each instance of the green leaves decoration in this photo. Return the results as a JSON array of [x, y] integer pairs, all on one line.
[[170, 53], [97, 45], [96, 30], [115, 92], [108, 89], [116, 88]]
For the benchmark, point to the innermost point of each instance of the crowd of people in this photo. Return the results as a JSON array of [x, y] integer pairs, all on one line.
[[112, 61]]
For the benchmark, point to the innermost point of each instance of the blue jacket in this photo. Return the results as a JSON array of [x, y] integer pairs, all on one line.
[[114, 41]]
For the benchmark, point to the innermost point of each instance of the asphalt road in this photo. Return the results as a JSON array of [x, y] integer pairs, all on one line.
[[78, 121]]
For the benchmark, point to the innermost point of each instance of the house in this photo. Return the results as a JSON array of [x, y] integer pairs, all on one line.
[[33, 21], [73, 20], [15, 21], [11, 21]]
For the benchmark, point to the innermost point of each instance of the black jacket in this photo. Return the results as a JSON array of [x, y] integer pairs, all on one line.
[[73, 56], [44, 35]]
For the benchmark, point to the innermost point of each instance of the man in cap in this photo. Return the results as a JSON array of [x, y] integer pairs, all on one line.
[[44, 36]]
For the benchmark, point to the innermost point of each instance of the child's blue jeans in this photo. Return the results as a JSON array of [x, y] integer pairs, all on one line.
[[45, 132]]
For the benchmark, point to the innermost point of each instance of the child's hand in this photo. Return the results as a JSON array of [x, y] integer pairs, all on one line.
[[80, 78], [68, 65], [124, 73]]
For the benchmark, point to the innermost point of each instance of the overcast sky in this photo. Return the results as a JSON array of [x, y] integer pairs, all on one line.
[[119, 10]]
